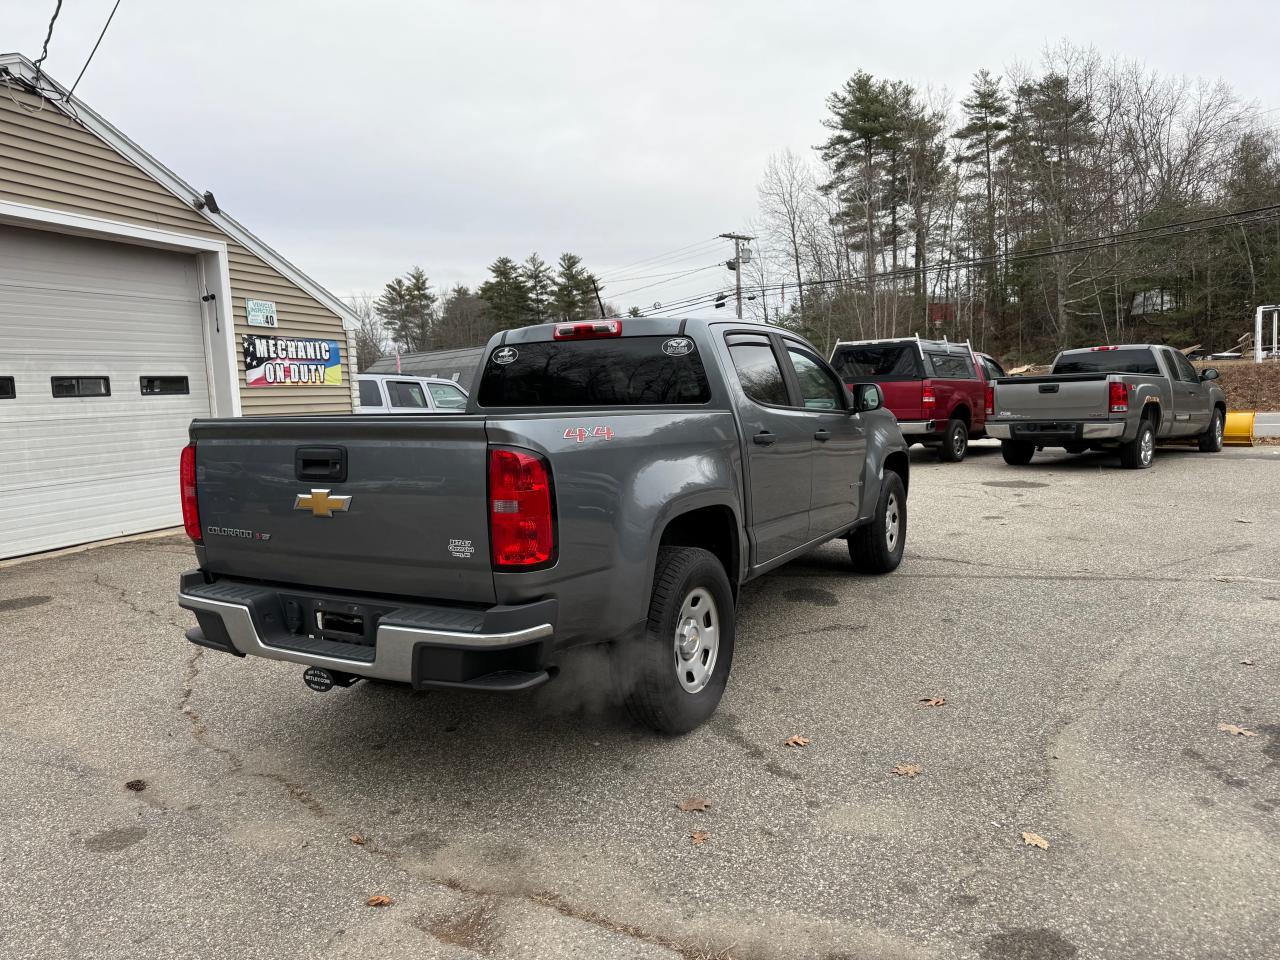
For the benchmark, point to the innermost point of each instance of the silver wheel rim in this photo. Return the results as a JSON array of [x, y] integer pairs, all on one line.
[[1148, 445], [1217, 428], [697, 640], [957, 443], [892, 522]]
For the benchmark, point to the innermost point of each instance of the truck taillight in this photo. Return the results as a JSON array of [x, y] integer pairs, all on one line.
[[1119, 397], [521, 519], [991, 400], [589, 330], [927, 399], [187, 482]]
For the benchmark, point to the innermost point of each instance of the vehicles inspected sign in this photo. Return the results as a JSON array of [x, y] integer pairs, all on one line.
[[261, 313], [291, 362]]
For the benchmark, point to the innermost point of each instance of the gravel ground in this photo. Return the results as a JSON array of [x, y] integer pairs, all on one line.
[[1088, 628]]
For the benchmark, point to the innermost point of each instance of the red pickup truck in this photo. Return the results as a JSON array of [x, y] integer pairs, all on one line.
[[936, 389]]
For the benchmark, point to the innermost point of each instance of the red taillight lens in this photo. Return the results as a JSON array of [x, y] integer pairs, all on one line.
[[1119, 397], [187, 481], [521, 521], [588, 331], [991, 400], [927, 398]]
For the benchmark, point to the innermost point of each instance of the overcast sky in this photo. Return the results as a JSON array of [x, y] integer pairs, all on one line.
[[359, 138]]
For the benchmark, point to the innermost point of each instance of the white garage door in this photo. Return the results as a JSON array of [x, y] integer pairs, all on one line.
[[102, 367]]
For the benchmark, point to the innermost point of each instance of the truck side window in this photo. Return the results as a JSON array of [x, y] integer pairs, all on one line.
[[948, 366], [369, 395], [818, 389], [406, 393], [1186, 371], [447, 397], [758, 370], [994, 370]]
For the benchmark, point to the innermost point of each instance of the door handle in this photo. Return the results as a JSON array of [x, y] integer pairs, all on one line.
[[822, 435], [764, 438]]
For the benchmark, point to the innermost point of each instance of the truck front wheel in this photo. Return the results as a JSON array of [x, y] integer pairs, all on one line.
[[671, 679], [876, 547], [1017, 453], [1211, 440]]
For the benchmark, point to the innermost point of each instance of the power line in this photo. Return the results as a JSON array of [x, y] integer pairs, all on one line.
[[110, 16], [44, 53], [663, 283], [670, 254], [1165, 231]]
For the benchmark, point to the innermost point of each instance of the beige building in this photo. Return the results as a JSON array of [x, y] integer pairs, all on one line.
[[130, 304]]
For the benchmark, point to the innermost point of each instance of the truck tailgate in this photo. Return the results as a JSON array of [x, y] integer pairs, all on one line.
[[271, 491], [1066, 397]]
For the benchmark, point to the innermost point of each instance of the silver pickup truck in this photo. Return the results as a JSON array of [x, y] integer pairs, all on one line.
[[610, 482], [1125, 398]]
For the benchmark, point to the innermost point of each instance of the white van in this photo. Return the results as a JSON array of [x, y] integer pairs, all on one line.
[[402, 393]]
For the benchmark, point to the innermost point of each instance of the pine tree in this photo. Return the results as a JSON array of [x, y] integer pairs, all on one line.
[[464, 321], [541, 283], [408, 309], [506, 295], [574, 297]]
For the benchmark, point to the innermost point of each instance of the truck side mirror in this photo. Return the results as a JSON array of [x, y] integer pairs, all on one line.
[[867, 396], [1209, 373]]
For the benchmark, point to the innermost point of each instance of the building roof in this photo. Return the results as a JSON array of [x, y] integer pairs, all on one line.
[[17, 67], [436, 363]]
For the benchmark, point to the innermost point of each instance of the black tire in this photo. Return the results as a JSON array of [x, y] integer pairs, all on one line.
[[1140, 452], [1017, 453], [955, 442], [1211, 439], [646, 673], [871, 548]]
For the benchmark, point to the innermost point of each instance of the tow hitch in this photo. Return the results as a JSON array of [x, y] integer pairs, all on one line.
[[319, 679]]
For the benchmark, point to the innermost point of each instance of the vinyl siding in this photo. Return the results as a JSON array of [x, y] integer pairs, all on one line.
[[48, 160]]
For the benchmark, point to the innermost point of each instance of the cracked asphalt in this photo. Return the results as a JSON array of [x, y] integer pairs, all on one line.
[[1087, 626]]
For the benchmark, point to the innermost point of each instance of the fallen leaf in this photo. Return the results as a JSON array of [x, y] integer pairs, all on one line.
[[908, 770], [1035, 840], [699, 837], [1232, 729], [137, 786], [933, 701], [379, 900], [797, 741], [357, 839], [1248, 663], [1243, 520], [693, 805]]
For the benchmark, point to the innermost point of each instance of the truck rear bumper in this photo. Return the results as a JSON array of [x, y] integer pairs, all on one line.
[[1051, 432], [916, 428], [498, 648]]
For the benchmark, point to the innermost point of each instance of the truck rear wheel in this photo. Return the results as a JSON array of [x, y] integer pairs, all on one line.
[[1017, 453], [671, 679], [955, 442], [1211, 439], [1138, 453], [876, 547]]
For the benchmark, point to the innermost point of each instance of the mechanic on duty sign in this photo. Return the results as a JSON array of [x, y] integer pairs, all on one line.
[[291, 362]]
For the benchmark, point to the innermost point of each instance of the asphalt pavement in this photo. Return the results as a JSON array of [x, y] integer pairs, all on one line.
[[1089, 628]]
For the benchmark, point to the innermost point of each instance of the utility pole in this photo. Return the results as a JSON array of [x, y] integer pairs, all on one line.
[[738, 239]]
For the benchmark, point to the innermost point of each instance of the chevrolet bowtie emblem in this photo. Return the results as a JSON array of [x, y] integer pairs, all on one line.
[[321, 504]]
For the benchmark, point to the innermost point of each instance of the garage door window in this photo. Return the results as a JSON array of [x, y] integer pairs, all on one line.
[[81, 386], [160, 385], [7, 391]]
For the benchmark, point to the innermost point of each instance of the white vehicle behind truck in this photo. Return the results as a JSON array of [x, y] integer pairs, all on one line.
[[1124, 398]]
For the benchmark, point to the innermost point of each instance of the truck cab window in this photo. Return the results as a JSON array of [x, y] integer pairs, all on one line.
[[819, 390], [758, 370], [447, 397], [406, 393], [369, 395]]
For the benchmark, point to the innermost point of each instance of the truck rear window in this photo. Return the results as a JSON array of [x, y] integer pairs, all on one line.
[[621, 372], [875, 362], [1108, 361]]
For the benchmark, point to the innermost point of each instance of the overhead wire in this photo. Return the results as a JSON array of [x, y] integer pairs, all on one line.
[[1160, 232], [44, 52], [662, 256], [110, 17]]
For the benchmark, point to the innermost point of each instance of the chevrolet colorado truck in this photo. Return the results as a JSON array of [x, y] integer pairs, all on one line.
[[611, 481], [935, 388], [1123, 398]]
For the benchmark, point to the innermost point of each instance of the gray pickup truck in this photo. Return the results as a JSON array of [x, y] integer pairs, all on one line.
[[613, 481], [1122, 398]]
